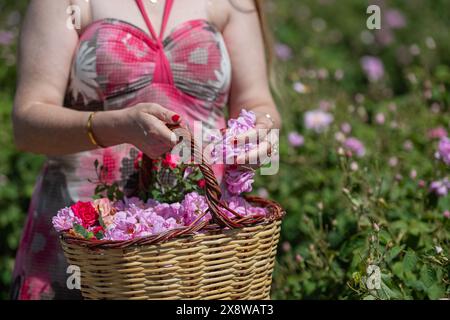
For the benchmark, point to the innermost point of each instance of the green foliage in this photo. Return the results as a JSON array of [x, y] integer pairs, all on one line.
[[103, 189], [80, 230], [169, 184], [344, 214]]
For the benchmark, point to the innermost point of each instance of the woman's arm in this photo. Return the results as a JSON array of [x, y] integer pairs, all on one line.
[[41, 124], [46, 47], [250, 85]]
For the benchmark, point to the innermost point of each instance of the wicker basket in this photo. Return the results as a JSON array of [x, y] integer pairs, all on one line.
[[227, 259]]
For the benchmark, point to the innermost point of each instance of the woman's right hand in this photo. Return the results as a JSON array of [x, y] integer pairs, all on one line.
[[144, 126]]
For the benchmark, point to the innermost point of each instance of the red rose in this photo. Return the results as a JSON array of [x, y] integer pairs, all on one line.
[[170, 161], [86, 212], [137, 160], [201, 183], [98, 229]]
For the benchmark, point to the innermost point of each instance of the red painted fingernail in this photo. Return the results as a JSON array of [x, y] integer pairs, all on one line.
[[235, 141], [175, 118]]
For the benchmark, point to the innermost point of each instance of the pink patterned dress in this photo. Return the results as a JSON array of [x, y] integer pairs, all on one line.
[[118, 65]]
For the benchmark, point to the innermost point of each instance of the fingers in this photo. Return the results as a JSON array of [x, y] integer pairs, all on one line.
[[257, 155], [258, 134], [252, 136], [158, 130], [264, 122], [163, 114], [154, 151]]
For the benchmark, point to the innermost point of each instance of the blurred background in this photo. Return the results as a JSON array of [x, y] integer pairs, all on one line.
[[365, 162]]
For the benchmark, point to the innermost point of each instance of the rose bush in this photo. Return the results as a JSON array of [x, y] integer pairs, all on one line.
[[367, 184]]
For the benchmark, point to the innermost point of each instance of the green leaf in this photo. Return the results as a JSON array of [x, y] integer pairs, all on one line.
[[417, 227], [384, 236], [100, 235], [413, 283], [436, 291], [388, 292], [393, 253], [82, 231], [100, 220], [119, 195], [409, 261], [397, 269], [428, 276]]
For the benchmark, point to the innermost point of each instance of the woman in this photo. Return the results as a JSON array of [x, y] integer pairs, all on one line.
[[109, 88]]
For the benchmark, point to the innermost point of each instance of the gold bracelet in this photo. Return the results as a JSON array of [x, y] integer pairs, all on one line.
[[90, 131]]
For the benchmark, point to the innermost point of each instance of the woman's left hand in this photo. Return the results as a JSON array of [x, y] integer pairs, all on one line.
[[265, 136]]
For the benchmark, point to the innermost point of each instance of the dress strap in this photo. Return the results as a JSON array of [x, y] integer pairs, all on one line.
[[162, 72], [167, 10]]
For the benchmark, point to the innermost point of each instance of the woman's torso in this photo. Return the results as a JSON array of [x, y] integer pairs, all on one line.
[[117, 64]]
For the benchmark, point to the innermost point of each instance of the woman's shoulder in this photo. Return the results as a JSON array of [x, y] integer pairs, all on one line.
[[222, 11]]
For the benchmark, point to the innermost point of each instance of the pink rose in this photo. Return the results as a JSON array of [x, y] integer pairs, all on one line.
[[105, 208]]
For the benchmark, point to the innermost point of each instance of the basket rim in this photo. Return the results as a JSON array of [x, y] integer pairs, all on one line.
[[276, 213]]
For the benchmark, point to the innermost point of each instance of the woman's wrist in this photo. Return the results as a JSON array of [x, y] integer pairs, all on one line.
[[107, 128], [271, 113]]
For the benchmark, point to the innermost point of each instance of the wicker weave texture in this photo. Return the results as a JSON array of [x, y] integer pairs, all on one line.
[[228, 264]]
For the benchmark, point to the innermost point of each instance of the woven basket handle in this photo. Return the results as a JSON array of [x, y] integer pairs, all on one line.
[[216, 208], [212, 189]]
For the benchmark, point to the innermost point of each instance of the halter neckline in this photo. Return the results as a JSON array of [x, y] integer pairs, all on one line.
[[167, 9], [163, 72]]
